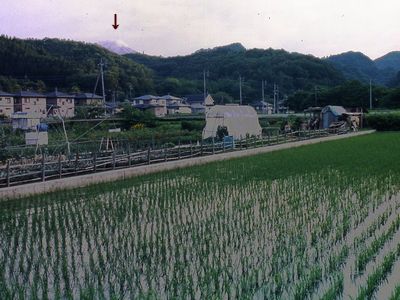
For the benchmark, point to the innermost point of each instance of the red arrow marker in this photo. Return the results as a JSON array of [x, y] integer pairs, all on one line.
[[115, 25]]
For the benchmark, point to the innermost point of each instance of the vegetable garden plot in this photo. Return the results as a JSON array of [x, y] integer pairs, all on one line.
[[235, 229]]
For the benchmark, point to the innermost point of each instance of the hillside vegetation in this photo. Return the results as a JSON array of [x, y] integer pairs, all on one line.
[[71, 66], [291, 71], [358, 66]]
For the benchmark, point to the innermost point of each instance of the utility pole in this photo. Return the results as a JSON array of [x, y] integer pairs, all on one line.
[[370, 94], [102, 84], [204, 84], [315, 96], [276, 92], [263, 84], [113, 107], [240, 90], [205, 74]]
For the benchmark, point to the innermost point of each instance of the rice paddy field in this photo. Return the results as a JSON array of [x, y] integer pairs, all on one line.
[[316, 222]]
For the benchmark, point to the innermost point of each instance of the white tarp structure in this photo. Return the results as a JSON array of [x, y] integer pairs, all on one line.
[[240, 120]]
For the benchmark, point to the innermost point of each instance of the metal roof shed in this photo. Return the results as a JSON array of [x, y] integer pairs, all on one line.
[[330, 114], [240, 121]]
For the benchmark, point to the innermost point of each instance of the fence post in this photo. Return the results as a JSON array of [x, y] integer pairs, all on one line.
[[213, 146], [94, 162], [223, 145], [269, 141], [8, 173], [277, 136], [201, 148], [148, 155], [113, 160], [179, 149], [59, 166], [76, 161], [240, 143], [247, 143], [43, 168], [165, 153], [129, 155], [191, 149]]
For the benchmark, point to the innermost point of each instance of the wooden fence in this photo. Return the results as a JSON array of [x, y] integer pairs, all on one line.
[[84, 163]]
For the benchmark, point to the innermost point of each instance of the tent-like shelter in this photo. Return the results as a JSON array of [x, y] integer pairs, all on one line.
[[240, 120]]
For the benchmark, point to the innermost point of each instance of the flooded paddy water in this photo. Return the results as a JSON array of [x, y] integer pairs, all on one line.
[[188, 235]]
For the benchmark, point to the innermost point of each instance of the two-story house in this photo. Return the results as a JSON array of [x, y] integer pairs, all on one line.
[[6, 104], [176, 105], [199, 103], [30, 102], [155, 104], [60, 104], [88, 99]]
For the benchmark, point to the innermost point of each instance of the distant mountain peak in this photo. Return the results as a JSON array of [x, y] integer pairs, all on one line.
[[234, 47], [118, 47], [390, 60]]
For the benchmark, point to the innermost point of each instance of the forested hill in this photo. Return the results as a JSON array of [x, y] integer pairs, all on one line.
[[291, 71], [70, 66], [357, 66]]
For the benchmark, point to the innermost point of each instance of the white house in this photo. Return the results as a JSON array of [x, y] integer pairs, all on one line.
[[6, 104], [30, 102], [60, 104], [155, 104]]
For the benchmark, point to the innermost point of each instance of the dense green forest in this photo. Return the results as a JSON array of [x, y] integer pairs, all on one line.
[[350, 94], [290, 71], [357, 66], [70, 66], [305, 80]]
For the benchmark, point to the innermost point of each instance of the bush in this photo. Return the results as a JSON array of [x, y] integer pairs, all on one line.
[[192, 125], [383, 121]]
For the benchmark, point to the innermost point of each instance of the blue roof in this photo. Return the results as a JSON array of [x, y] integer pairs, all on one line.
[[87, 96], [169, 97], [5, 94], [29, 94], [57, 94], [147, 97]]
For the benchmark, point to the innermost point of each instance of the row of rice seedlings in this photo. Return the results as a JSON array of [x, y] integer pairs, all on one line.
[[380, 273], [369, 253], [396, 293]]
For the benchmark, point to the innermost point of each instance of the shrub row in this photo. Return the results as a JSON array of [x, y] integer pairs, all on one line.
[[383, 121]]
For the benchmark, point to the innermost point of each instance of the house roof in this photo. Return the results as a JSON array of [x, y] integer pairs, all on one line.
[[169, 97], [87, 96], [199, 98], [147, 97], [260, 103], [336, 110], [57, 94], [197, 106], [29, 94], [25, 115], [5, 94]]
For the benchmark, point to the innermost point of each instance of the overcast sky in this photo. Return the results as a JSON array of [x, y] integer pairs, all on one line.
[[177, 27]]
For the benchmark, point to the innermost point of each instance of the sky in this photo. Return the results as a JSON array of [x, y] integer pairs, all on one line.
[[179, 27]]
